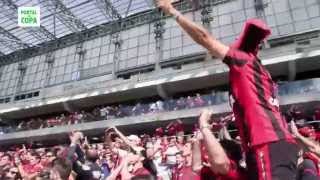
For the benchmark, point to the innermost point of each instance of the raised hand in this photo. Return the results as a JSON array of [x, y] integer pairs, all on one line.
[[204, 118], [294, 129], [75, 137], [166, 6]]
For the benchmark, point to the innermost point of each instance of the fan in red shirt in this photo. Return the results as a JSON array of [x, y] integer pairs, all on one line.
[[215, 160], [263, 134], [182, 171], [133, 167], [308, 167], [175, 128]]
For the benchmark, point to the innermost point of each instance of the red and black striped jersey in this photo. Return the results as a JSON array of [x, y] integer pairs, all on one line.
[[256, 107]]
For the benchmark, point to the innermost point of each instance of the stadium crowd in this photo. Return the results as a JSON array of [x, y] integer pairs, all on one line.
[[108, 112], [169, 153], [267, 146]]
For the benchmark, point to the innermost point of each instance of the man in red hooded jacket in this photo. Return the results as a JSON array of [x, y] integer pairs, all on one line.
[[271, 150]]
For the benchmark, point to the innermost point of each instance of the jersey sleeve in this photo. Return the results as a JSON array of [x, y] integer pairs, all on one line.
[[236, 58]]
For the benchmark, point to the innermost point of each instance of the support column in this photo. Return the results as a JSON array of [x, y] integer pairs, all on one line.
[[292, 70], [259, 6], [80, 52], [206, 14], [158, 34], [22, 68], [206, 19], [116, 40], [49, 61]]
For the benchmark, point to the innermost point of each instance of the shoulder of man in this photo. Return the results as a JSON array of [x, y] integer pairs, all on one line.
[[238, 58]]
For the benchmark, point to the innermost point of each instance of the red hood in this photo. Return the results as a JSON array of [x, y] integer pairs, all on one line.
[[255, 31]]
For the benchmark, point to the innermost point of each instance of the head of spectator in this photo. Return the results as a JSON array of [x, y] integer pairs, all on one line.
[[159, 132], [61, 169], [180, 140], [164, 141], [180, 103], [190, 102], [34, 159], [296, 113], [134, 139], [135, 165], [180, 159], [172, 141], [47, 158], [92, 155], [12, 174], [5, 160]]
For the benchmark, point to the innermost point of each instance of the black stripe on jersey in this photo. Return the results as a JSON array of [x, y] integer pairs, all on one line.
[[261, 95], [234, 61], [246, 134]]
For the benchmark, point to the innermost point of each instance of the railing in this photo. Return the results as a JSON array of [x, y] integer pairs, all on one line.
[[300, 87]]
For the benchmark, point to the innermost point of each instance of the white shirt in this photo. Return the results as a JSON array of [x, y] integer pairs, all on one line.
[[171, 154]]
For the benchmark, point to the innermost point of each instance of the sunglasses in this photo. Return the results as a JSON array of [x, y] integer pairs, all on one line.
[[13, 172]]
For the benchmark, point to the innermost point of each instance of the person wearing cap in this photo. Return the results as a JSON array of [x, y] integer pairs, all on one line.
[[263, 134]]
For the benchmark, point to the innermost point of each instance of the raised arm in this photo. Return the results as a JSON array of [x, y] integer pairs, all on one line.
[[126, 141], [196, 153], [311, 145], [218, 159], [75, 138], [196, 32], [116, 172]]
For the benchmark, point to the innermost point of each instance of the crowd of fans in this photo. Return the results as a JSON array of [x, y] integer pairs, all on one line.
[[167, 154], [108, 112], [117, 111]]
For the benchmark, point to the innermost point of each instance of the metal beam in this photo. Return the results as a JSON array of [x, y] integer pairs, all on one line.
[[108, 9], [64, 15], [12, 38], [128, 8], [41, 33], [8, 45], [1, 53]]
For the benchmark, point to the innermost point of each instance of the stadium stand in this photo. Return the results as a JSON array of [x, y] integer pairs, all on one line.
[[116, 89]]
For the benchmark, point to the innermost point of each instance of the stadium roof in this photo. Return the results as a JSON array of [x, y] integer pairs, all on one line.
[[60, 18]]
